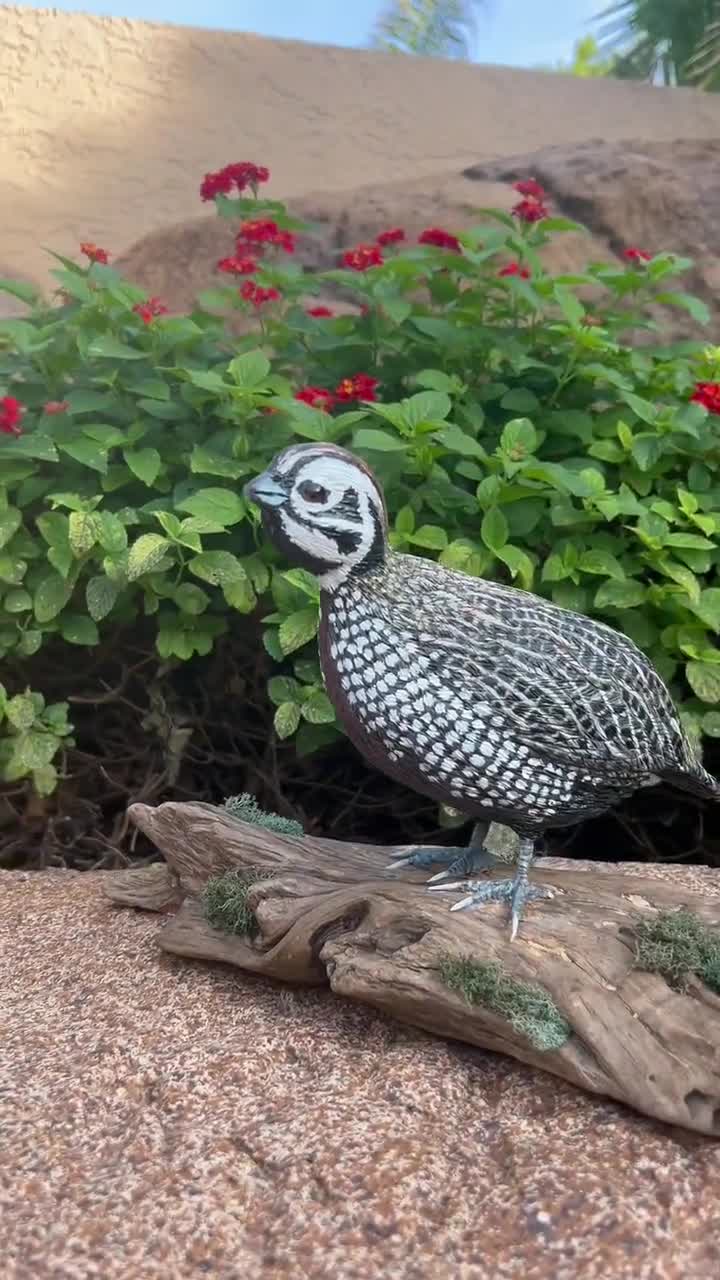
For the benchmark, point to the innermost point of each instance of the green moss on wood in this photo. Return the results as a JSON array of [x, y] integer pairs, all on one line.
[[225, 902], [529, 1009], [246, 808], [678, 945]]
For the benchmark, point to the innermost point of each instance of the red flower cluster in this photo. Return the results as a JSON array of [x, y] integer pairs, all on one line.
[[532, 207], [150, 309], [359, 387], [237, 266], [254, 293], [234, 176], [441, 239], [393, 236], [320, 312], [55, 406], [260, 231], [636, 255], [316, 397], [362, 257], [707, 394], [94, 252], [531, 188], [11, 411], [515, 269]]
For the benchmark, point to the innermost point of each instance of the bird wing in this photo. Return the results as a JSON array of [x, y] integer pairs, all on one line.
[[573, 689]]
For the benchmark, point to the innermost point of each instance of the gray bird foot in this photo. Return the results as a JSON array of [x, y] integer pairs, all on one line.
[[461, 862], [517, 892]]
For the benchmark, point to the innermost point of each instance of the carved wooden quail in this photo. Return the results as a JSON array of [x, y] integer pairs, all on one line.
[[505, 706]]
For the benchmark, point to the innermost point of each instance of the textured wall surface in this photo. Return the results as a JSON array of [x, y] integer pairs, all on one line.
[[108, 125]]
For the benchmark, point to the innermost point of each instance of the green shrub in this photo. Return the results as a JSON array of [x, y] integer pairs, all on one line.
[[517, 436]]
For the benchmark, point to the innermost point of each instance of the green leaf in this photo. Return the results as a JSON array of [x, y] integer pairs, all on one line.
[[405, 521], [17, 600], [34, 749], [204, 462], [33, 445], [426, 406], [318, 709], [430, 536], [191, 599], [494, 529], [287, 719], [111, 533], [305, 582], [711, 724], [222, 506], [643, 409], [20, 711], [520, 400], [646, 450], [77, 629], [283, 689], [250, 370], [105, 346], [436, 380], [297, 629], [704, 680], [219, 568], [694, 307], [10, 522], [620, 595], [240, 596], [45, 780], [571, 307], [708, 607], [51, 596], [458, 441], [519, 564], [382, 441], [601, 562], [82, 532], [145, 554], [689, 540], [519, 438], [144, 463], [18, 289], [100, 596], [88, 453]]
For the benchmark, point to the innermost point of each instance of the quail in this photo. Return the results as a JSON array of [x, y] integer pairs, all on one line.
[[487, 698]]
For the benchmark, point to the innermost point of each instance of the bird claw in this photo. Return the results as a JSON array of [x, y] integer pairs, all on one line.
[[462, 862], [517, 892]]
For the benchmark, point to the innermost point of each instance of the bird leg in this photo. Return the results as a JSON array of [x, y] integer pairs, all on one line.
[[491, 845], [517, 892]]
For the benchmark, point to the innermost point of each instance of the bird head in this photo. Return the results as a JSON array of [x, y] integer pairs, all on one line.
[[324, 510]]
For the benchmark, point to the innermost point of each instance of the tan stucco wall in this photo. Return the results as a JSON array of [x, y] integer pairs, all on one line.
[[108, 125]]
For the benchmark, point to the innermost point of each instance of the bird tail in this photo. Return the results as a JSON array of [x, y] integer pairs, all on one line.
[[696, 781]]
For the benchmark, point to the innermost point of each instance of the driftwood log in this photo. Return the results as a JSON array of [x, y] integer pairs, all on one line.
[[329, 913]]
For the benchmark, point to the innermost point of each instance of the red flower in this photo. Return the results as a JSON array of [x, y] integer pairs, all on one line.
[[316, 397], [530, 187], [238, 266], [530, 210], [515, 269], [254, 293], [56, 406], [362, 257], [705, 393], [94, 253], [320, 312], [442, 239], [263, 231], [360, 387], [11, 411], [241, 175], [150, 309], [394, 236], [636, 255]]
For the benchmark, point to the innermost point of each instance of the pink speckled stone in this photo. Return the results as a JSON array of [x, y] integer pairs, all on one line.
[[163, 1120]]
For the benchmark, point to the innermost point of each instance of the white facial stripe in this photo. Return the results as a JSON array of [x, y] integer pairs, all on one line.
[[336, 576], [337, 476], [313, 541]]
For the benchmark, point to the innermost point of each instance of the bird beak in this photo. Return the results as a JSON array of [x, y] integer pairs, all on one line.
[[265, 491]]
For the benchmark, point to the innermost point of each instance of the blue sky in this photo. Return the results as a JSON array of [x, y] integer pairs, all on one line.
[[511, 32]]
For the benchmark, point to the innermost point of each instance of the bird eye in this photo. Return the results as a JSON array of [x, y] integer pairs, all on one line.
[[312, 492]]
